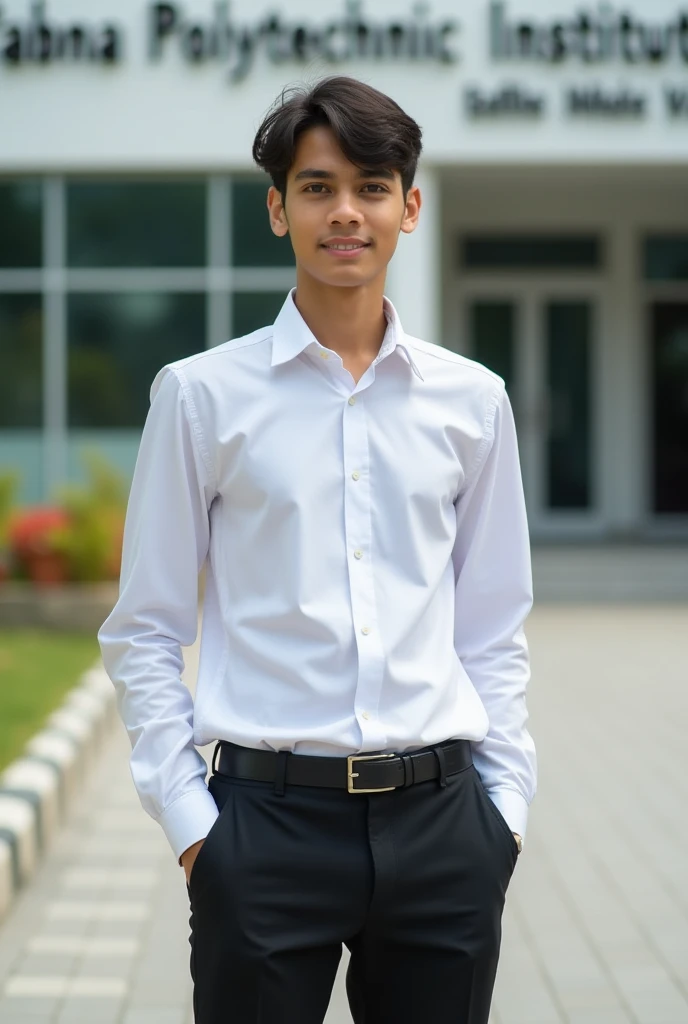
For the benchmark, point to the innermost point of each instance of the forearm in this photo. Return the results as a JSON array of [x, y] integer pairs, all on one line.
[[493, 598], [166, 540], [157, 711], [505, 759]]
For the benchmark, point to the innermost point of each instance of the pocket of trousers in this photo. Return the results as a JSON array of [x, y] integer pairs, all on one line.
[[497, 814], [220, 792]]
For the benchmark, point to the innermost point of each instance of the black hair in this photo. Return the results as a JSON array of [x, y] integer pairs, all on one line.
[[371, 129]]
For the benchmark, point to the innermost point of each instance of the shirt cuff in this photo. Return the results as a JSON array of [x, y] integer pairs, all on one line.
[[188, 819], [513, 807]]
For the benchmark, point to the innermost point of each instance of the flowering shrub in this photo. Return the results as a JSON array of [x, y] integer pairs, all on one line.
[[90, 538], [32, 536], [92, 541], [76, 539], [8, 486], [31, 530]]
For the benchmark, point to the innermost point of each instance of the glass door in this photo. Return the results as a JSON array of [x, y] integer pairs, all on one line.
[[567, 373], [542, 341], [669, 382]]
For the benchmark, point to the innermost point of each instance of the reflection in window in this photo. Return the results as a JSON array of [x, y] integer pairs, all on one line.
[[21, 240], [666, 258], [492, 332], [568, 326], [136, 223], [21, 353], [253, 243], [530, 252], [117, 344], [252, 310], [670, 406]]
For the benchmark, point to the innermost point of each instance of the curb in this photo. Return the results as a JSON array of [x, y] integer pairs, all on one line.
[[37, 790]]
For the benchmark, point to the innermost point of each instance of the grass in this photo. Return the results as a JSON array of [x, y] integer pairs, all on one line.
[[37, 668]]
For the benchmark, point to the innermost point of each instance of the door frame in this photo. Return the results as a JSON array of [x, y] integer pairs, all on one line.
[[529, 292]]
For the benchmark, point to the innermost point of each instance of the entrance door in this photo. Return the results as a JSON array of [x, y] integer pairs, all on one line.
[[669, 376], [542, 338]]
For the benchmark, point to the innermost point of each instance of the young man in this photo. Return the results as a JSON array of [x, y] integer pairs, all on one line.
[[356, 496]]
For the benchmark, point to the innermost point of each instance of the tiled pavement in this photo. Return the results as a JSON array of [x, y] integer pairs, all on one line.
[[596, 926]]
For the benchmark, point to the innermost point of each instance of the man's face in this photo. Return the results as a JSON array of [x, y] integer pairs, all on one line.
[[344, 222]]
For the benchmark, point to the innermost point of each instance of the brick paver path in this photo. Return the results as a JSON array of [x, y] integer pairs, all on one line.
[[596, 926]]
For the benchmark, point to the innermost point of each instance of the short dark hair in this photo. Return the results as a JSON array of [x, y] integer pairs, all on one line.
[[371, 129]]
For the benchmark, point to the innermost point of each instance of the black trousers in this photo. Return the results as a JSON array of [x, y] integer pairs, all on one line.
[[412, 881]]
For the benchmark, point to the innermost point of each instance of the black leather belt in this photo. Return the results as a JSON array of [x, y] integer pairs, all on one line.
[[360, 773]]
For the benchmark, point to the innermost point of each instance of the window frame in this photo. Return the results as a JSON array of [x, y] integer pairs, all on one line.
[[218, 279]]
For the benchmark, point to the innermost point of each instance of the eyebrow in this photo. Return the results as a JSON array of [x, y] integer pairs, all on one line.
[[364, 172]]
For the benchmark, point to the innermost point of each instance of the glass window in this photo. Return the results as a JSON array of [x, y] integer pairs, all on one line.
[[666, 259], [136, 224], [21, 453], [670, 406], [530, 252], [253, 243], [117, 344], [492, 333], [21, 349], [21, 238], [568, 335], [251, 310]]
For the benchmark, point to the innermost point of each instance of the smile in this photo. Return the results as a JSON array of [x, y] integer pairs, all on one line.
[[342, 250]]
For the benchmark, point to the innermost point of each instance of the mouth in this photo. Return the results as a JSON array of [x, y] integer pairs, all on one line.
[[345, 249]]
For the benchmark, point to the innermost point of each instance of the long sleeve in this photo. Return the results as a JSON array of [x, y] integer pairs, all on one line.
[[166, 539], [493, 598]]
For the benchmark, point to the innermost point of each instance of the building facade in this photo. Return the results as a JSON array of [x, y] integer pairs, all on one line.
[[553, 245]]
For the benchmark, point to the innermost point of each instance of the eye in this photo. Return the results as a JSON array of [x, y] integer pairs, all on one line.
[[374, 185], [315, 185]]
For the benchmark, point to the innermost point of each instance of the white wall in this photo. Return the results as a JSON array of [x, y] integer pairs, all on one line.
[[144, 115]]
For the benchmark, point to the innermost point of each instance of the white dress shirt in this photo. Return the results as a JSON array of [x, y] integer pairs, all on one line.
[[368, 565]]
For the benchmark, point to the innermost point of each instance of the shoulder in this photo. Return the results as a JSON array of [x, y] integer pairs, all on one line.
[[206, 369], [437, 356], [457, 374]]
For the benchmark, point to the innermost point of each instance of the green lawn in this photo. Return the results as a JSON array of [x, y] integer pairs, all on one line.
[[37, 668]]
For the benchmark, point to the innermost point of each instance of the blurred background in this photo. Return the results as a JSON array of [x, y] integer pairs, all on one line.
[[553, 247]]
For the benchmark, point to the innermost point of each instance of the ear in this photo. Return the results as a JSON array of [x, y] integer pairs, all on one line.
[[411, 210], [277, 213]]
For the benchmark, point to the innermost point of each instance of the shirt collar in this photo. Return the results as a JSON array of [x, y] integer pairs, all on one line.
[[291, 335]]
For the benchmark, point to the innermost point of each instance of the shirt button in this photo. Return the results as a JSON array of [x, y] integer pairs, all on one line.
[[365, 714], [323, 355], [365, 630], [355, 475], [352, 400], [358, 553]]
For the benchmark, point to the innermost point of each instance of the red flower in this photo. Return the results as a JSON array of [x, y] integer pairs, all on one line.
[[30, 530]]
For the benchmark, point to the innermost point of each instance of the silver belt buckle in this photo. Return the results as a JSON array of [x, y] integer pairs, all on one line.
[[351, 774]]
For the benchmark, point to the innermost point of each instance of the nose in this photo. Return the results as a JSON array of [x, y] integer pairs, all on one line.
[[345, 210]]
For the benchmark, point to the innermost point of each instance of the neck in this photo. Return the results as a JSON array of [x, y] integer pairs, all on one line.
[[350, 321]]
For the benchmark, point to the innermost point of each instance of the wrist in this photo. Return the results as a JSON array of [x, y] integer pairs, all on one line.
[[191, 849]]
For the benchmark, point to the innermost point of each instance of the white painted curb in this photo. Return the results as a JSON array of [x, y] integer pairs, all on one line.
[[77, 729], [37, 790], [32, 777], [7, 885], [54, 748], [19, 817]]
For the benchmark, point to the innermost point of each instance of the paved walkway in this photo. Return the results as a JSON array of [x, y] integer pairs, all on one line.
[[596, 926]]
